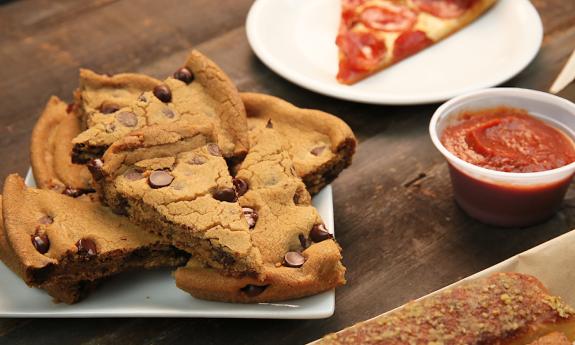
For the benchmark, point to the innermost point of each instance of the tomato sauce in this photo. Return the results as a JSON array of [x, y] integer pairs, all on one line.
[[510, 140]]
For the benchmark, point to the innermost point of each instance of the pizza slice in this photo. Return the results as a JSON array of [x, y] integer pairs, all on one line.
[[375, 34]]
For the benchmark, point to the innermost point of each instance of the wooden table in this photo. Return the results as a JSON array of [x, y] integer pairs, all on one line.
[[401, 232]]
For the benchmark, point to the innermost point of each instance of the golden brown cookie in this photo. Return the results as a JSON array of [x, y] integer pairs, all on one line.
[[66, 246], [6, 254], [503, 308], [300, 256], [50, 150], [99, 93], [198, 93], [173, 180], [320, 144]]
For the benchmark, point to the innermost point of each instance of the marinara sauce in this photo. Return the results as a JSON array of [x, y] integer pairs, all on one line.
[[509, 140]]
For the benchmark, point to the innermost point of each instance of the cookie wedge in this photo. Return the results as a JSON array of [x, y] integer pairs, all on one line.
[[96, 101], [199, 92], [321, 145], [50, 149], [68, 246], [173, 180], [300, 256]]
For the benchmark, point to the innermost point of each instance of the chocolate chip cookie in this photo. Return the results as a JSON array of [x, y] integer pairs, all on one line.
[[300, 255], [67, 246], [173, 180], [198, 93], [320, 144], [50, 149], [97, 100]]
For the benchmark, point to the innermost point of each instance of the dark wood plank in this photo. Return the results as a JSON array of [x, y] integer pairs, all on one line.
[[402, 234]]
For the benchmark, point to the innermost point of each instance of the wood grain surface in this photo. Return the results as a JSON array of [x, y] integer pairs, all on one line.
[[401, 232]]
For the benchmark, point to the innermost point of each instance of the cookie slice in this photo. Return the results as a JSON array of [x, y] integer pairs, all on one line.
[[320, 144], [300, 256], [173, 180], [198, 93], [67, 246], [105, 94], [50, 149], [97, 100]]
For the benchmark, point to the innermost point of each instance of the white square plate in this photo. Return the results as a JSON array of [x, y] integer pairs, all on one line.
[[154, 294]]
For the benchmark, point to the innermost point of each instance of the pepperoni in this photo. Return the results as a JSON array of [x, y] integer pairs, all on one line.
[[351, 4], [409, 43], [387, 16], [362, 52], [348, 11], [444, 8], [348, 18]]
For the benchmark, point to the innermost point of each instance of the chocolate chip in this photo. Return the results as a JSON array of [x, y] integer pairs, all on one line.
[[160, 178], [184, 75], [46, 220], [168, 113], [109, 107], [269, 124], [319, 233], [293, 259], [251, 216], [127, 118], [86, 247], [214, 149], [253, 290], [163, 93], [302, 241], [316, 151], [41, 243], [133, 175], [240, 185], [142, 97], [197, 160], [95, 166], [225, 194]]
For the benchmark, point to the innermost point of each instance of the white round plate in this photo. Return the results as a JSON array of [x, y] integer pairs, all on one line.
[[296, 39]]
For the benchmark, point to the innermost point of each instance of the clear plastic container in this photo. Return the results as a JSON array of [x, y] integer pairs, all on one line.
[[505, 198]]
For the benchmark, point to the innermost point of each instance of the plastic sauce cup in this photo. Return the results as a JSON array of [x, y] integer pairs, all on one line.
[[500, 198]]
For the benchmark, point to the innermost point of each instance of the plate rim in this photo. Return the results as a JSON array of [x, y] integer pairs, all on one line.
[[268, 59]]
